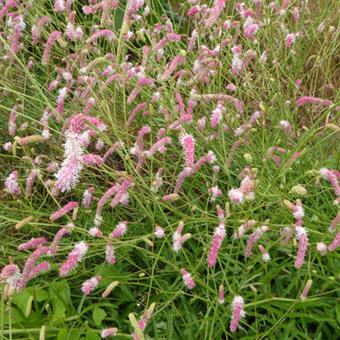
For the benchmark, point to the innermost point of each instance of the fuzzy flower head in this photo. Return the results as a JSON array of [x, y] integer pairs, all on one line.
[[159, 232], [89, 285], [11, 183], [12, 276], [187, 279], [236, 196], [238, 312]]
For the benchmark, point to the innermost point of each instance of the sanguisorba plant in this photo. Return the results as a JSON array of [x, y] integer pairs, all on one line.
[[183, 154]]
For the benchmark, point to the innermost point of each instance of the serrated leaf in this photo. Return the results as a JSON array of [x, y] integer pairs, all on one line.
[[98, 315]]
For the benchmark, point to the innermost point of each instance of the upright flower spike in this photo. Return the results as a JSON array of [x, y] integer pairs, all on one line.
[[188, 143], [215, 13], [221, 295], [120, 230], [61, 232], [335, 222], [75, 257], [305, 291], [89, 285], [238, 312], [11, 183], [159, 232], [187, 279], [219, 235], [87, 197], [253, 238], [54, 36], [265, 255], [110, 253], [301, 235]]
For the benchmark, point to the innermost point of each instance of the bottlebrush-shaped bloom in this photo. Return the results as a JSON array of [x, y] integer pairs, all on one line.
[[243, 228], [215, 13], [301, 235], [39, 268], [120, 230], [321, 248], [12, 276], [29, 264], [64, 210], [188, 143], [238, 312], [67, 176], [11, 183], [110, 253], [187, 279], [89, 285], [108, 332], [335, 243], [95, 232], [265, 255], [221, 295], [253, 238], [331, 176], [159, 232], [335, 222], [215, 192], [87, 197], [61, 232], [178, 239], [50, 41], [157, 183], [35, 242], [236, 195], [219, 235], [75, 256], [217, 114], [29, 182]]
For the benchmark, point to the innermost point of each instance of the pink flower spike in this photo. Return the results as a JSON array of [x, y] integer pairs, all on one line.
[[216, 11], [50, 41], [253, 238], [110, 253], [236, 196], [89, 285], [30, 264], [335, 222], [61, 232], [321, 248], [11, 183], [305, 291], [35, 242], [120, 229], [29, 182], [216, 244], [159, 232], [301, 235], [221, 295], [75, 256], [108, 332], [95, 232], [41, 267], [188, 281], [87, 197], [336, 242], [238, 312], [64, 210], [11, 274], [265, 255], [188, 143]]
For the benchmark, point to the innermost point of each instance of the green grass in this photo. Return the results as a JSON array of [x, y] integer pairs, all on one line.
[[147, 275]]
